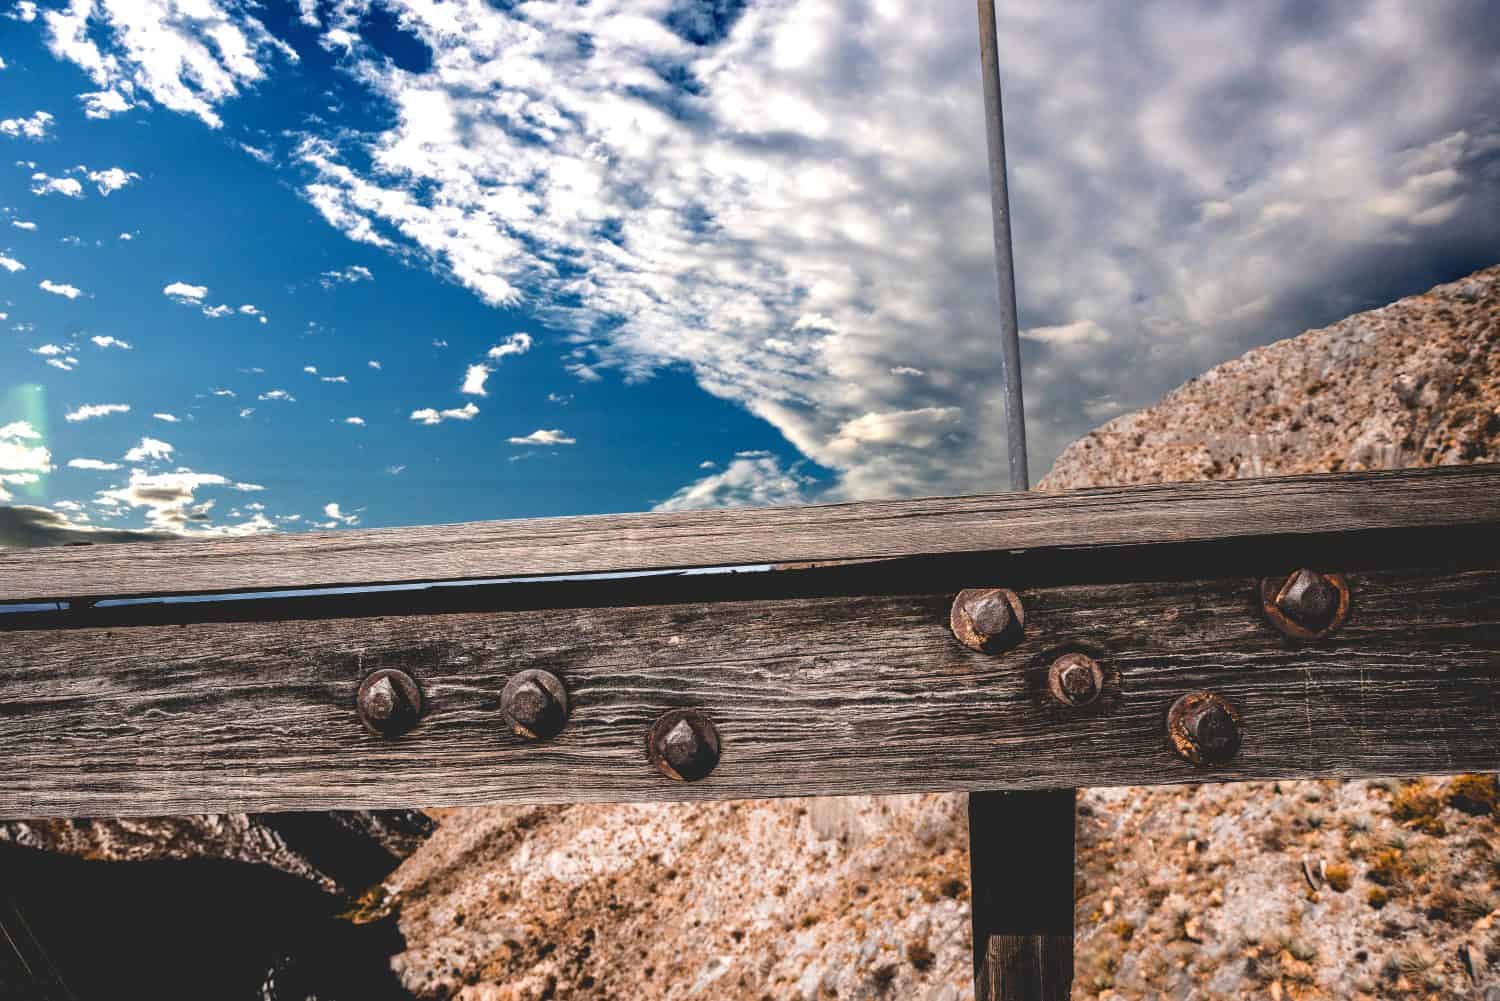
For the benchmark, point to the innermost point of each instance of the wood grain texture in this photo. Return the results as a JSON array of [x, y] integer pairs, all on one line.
[[1021, 882], [812, 696], [1160, 513]]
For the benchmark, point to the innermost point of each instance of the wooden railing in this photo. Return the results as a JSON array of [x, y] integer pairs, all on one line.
[[1140, 636]]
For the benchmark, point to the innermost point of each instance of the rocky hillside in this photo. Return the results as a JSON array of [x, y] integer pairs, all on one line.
[[1288, 890]]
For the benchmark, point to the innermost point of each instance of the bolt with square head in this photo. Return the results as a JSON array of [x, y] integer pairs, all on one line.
[[1307, 604], [684, 745], [1075, 679], [535, 704], [1203, 728], [389, 702], [987, 619]]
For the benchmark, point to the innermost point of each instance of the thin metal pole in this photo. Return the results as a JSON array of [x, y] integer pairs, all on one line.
[[1020, 843], [1010, 344]]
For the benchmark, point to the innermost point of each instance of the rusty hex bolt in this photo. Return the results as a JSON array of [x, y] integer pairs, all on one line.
[[1075, 679], [1204, 729], [535, 704], [389, 702], [1306, 605], [987, 619], [684, 745]]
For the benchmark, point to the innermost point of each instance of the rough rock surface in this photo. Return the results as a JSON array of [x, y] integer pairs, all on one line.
[[1415, 383], [1290, 890]]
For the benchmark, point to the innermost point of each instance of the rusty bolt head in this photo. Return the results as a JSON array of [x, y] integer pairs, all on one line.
[[535, 704], [1075, 679], [1204, 729], [389, 702], [1306, 605], [684, 745], [988, 619]]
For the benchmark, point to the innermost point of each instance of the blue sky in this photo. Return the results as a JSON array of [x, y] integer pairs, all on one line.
[[671, 253]]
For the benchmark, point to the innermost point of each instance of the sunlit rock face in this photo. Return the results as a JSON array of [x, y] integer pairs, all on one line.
[[1415, 383], [1356, 890]]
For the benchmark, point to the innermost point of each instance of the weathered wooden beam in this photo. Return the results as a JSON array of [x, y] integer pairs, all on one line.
[[835, 694], [1021, 875], [1154, 514]]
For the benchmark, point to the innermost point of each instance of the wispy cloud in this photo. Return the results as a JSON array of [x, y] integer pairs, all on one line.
[[428, 415], [43, 184], [112, 179], [11, 264], [60, 288], [34, 127], [90, 411], [96, 464], [185, 291], [543, 436], [149, 449], [277, 394], [348, 276], [110, 341]]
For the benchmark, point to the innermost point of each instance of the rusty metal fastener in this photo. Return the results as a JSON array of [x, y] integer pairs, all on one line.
[[987, 619], [535, 704], [1307, 605], [684, 745], [1203, 728], [1075, 679], [389, 702]]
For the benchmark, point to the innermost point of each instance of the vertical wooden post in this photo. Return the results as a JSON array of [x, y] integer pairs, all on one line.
[[1021, 886]]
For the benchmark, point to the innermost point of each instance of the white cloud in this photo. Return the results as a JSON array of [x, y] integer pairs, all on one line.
[[112, 179], [217, 312], [21, 462], [373, 364], [184, 291], [337, 517], [103, 103], [69, 187], [91, 410], [97, 464], [263, 155], [310, 369], [59, 288], [35, 127], [66, 364], [515, 344], [169, 418], [277, 394], [223, 392], [745, 482], [474, 378], [11, 264], [430, 416], [248, 310], [544, 436], [110, 341], [789, 229], [1080, 332], [360, 421], [334, 378], [127, 236], [50, 350], [149, 449], [186, 57], [23, 224], [349, 276], [171, 504]]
